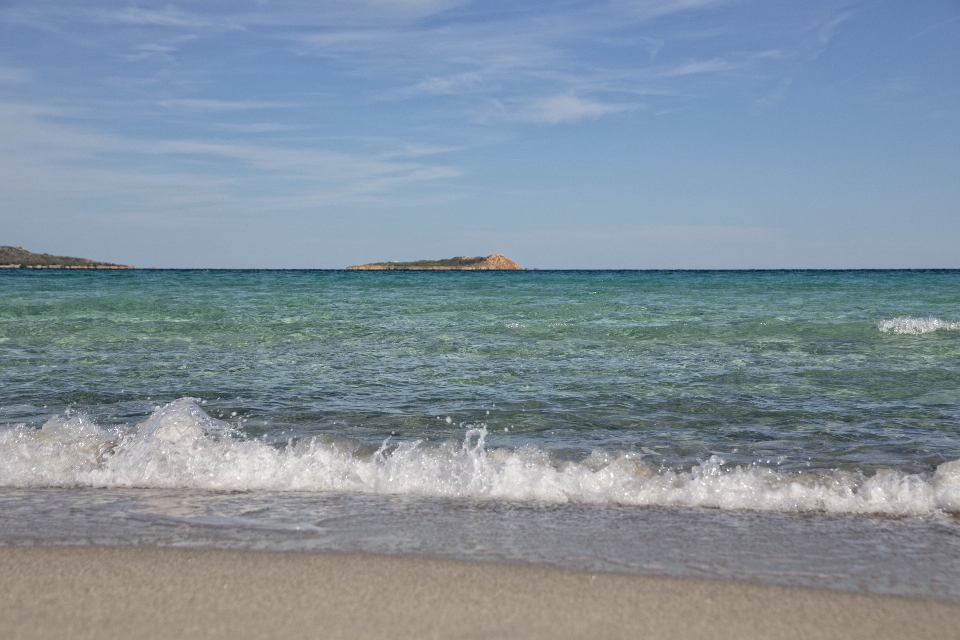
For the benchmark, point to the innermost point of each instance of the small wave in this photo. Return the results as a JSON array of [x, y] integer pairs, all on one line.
[[180, 446], [915, 326]]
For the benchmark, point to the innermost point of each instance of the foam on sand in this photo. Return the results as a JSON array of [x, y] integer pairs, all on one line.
[[180, 446]]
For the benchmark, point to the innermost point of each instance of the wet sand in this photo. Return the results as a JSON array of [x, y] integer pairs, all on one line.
[[128, 592]]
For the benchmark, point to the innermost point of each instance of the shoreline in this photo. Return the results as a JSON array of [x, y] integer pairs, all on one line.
[[151, 592]]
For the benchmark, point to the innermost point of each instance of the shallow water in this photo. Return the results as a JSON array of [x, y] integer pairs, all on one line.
[[791, 427]]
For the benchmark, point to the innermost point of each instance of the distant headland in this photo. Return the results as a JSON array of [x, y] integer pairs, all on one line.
[[18, 257], [495, 262]]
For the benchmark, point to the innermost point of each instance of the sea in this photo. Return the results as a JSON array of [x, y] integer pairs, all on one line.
[[779, 427]]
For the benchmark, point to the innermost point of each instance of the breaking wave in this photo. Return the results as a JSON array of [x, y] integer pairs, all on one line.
[[915, 326], [180, 446]]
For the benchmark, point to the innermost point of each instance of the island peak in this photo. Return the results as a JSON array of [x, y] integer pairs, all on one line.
[[493, 262], [14, 257]]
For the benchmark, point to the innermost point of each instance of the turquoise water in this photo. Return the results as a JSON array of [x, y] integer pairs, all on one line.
[[790, 364], [795, 394]]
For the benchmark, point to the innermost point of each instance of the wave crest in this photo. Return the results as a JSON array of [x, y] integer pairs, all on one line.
[[180, 446], [916, 326]]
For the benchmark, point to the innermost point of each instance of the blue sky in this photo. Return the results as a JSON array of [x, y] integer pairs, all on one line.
[[620, 134]]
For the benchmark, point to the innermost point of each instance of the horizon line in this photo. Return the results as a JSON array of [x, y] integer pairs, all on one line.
[[523, 270]]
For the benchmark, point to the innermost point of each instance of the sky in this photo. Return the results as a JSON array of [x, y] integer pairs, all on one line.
[[636, 134]]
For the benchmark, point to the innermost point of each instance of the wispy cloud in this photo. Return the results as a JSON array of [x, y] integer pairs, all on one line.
[[163, 50], [697, 67], [829, 28], [899, 84], [825, 29], [14, 76], [525, 59], [934, 27], [657, 8], [418, 151], [448, 85], [773, 98], [40, 156], [156, 48], [568, 109], [168, 16], [206, 104], [566, 64], [255, 127], [435, 61]]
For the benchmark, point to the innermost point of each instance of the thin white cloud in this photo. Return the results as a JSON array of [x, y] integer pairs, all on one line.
[[649, 9], [448, 85], [46, 158], [418, 6], [255, 127], [347, 40], [934, 27], [698, 67], [202, 104], [568, 109], [151, 50], [825, 30], [773, 98], [514, 64], [829, 29], [169, 16], [418, 151], [155, 48], [560, 65], [14, 76], [900, 84], [451, 51]]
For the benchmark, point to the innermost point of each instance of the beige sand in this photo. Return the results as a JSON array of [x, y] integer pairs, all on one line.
[[97, 592]]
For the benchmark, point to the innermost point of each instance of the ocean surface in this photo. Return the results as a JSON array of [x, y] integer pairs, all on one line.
[[789, 427]]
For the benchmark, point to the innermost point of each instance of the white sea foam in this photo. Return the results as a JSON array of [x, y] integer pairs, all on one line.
[[914, 326], [180, 446]]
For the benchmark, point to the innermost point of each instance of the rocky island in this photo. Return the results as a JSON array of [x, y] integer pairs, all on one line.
[[495, 262], [18, 257]]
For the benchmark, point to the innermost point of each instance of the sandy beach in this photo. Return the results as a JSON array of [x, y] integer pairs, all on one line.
[[127, 592]]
